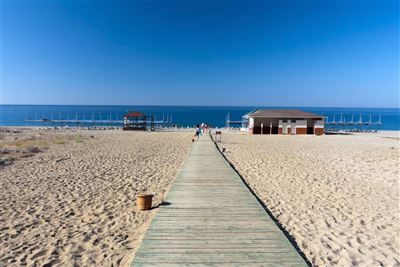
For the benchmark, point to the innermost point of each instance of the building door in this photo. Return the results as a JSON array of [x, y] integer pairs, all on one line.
[[284, 128]]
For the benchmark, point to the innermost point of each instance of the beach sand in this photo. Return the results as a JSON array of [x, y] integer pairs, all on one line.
[[67, 198], [336, 195]]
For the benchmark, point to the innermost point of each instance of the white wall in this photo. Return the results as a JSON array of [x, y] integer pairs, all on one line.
[[319, 124]]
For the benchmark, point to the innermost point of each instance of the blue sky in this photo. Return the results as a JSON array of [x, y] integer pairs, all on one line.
[[201, 53]]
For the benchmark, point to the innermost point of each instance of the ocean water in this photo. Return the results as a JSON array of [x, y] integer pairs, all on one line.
[[15, 115]]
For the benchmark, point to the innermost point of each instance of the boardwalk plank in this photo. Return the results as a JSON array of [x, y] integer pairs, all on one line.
[[212, 219]]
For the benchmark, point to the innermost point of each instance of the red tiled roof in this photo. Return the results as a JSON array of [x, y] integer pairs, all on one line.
[[134, 114], [283, 113]]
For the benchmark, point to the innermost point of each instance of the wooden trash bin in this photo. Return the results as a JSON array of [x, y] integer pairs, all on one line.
[[144, 201]]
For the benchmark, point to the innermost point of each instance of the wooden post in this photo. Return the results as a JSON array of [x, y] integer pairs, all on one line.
[[216, 136]]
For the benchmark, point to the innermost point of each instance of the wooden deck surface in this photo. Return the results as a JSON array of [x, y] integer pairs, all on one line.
[[213, 220]]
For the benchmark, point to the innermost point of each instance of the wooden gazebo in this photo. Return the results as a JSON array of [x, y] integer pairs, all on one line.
[[136, 121]]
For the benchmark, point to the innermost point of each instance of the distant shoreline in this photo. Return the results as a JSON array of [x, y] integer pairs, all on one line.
[[179, 128]]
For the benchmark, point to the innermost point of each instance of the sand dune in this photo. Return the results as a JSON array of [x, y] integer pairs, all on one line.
[[73, 203], [338, 196]]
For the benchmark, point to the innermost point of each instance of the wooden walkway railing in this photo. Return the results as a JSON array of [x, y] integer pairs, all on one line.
[[210, 218]]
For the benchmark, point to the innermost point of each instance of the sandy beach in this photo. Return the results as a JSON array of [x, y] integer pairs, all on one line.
[[336, 195], [67, 198]]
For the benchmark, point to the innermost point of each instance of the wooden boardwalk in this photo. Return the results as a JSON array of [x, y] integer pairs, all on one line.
[[212, 219]]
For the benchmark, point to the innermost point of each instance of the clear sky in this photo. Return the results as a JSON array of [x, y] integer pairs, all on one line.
[[272, 53]]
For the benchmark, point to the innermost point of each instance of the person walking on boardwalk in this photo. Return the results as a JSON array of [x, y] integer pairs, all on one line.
[[197, 132], [204, 128], [200, 129]]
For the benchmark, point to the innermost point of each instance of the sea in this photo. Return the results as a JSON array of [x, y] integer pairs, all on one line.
[[182, 116]]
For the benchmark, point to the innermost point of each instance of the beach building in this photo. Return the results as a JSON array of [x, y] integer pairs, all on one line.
[[283, 121], [137, 121]]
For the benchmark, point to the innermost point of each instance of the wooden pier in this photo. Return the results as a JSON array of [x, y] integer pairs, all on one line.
[[210, 218], [350, 124], [95, 118]]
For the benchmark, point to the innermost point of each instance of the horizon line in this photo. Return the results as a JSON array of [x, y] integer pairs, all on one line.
[[163, 105]]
